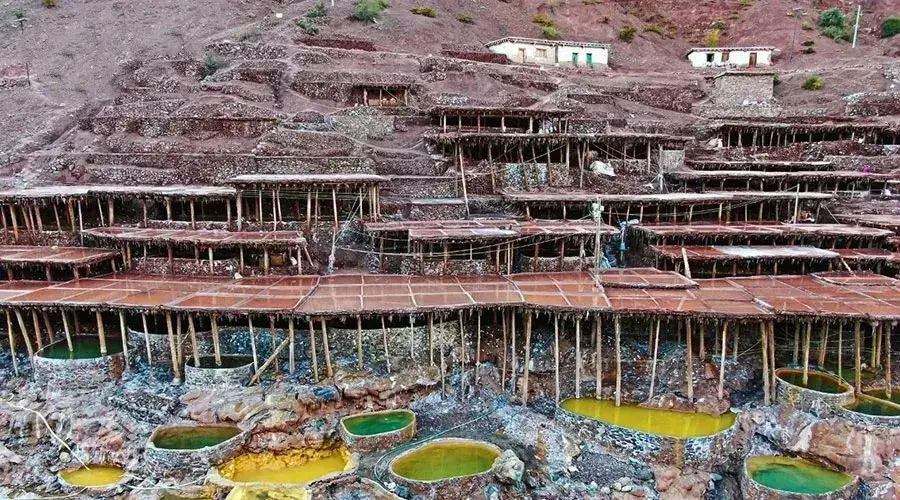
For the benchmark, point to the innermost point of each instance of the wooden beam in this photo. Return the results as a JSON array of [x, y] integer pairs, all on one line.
[[269, 361], [689, 365], [477, 347], [195, 348], [618, 329], [176, 369], [806, 339], [101, 332], [24, 329], [858, 355], [527, 356], [66, 329], [598, 358], [217, 351], [312, 349], [764, 338], [887, 358], [387, 354], [291, 345], [146, 339], [359, 341], [12, 341], [655, 357], [577, 357], [722, 361], [328, 369], [124, 332]]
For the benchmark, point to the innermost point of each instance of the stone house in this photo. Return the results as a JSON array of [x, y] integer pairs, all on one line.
[[551, 52], [730, 57]]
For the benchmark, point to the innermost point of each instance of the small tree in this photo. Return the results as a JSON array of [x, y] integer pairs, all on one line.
[[712, 38], [544, 20], [890, 27], [466, 18], [814, 83], [318, 11], [424, 11], [551, 32], [832, 17], [627, 33], [210, 66], [369, 10]]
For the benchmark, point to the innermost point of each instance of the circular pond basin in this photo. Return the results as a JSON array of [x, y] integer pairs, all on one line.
[[192, 437], [816, 381], [295, 467], [794, 475], [874, 407], [233, 369], [378, 430], [882, 394], [96, 476], [657, 421], [82, 367], [443, 459], [192, 447]]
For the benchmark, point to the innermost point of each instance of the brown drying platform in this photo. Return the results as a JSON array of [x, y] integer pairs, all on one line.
[[662, 198], [570, 291], [500, 111], [335, 180], [890, 222], [116, 191], [758, 165], [799, 175], [712, 300], [868, 255], [643, 277], [773, 230], [729, 253], [17, 256], [489, 228], [204, 238]]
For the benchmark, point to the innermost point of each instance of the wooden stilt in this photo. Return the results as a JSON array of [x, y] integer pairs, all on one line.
[[66, 330], [505, 350], [823, 345], [857, 338], [12, 343], [618, 330], [577, 357], [477, 347], [840, 350], [179, 342], [387, 354], [312, 349], [328, 369], [359, 346], [807, 334], [689, 365], [512, 352], [101, 332], [291, 345], [655, 357], [124, 332], [272, 340], [217, 350], [146, 339], [888, 381], [556, 354], [443, 365], [37, 332], [598, 358], [269, 361], [736, 336], [764, 338], [21, 320], [796, 343], [431, 338], [195, 347], [722, 361], [176, 369], [702, 336], [527, 356]]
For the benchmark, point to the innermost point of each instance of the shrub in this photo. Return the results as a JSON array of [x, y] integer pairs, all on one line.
[[369, 10], [318, 11], [776, 79], [814, 83], [746, 3], [424, 11], [712, 38], [718, 25], [653, 28], [832, 17], [308, 26], [627, 33], [210, 66], [807, 26], [466, 18], [836, 33], [808, 43], [51, 3], [809, 50], [551, 32], [890, 27], [544, 20], [19, 15]]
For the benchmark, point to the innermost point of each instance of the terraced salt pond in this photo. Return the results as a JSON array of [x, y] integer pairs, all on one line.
[[293, 467], [795, 475], [379, 423], [661, 422], [816, 381], [83, 347], [445, 459], [193, 437], [94, 476], [869, 405], [882, 394]]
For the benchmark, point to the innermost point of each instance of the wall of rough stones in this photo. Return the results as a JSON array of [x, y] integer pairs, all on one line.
[[78, 373], [815, 402]]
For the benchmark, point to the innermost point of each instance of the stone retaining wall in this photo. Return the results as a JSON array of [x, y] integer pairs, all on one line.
[[208, 377], [472, 486], [161, 462], [77, 373], [377, 442], [751, 490], [818, 403]]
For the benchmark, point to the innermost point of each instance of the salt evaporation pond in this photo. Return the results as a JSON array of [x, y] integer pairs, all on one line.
[[194, 437], [661, 422], [83, 347], [795, 475], [379, 423], [816, 381], [874, 406], [436, 461], [93, 476], [293, 467], [231, 361], [882, 394]]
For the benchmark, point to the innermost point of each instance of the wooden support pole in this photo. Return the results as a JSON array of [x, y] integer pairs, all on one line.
[[505, 350], [176, 369], [618, 329], [577, 357], [217, 351], [431, 338], [796, 358], [857, 338], [146, 338], [888, 382], [387, 353], [328, 370], [736, 336], [840, 350], [512, 351], [272, 339], [689, 365], [37, 332], [101, 332], [269, 361], [477, 347], [291, 345], [655, 357], [359, 342], [334, 207], [764, 338], [312, 349], [823, 345], [462, 175], [12, 343], [598, 358], [702, 335], [722, 361], [195, 347], [21, 321], [527, 356], [124, 332], [66, 329], [556, 354], [443, 365], [806, 339]]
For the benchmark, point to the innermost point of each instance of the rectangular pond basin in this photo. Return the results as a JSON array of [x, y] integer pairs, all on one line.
[[657, 421]]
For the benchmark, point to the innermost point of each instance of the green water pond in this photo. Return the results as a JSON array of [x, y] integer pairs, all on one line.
[[795, 475], [661, 422], [83, 347], [193, 437], [378, 423], [446, 459], [816, 381]]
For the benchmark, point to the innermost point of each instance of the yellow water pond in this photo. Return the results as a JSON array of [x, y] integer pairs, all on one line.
[[669, 423], [293, 467], [94, 476]]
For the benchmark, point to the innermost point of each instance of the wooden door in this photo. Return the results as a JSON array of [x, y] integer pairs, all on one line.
[[752, 59]]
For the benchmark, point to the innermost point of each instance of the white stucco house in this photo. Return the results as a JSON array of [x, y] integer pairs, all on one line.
[[551, 52], [730, 57]]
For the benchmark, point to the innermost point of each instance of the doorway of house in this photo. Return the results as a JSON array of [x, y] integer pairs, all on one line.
[[752, 59], [522, 56]]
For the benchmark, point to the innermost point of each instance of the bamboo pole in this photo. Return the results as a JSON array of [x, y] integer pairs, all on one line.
[[556, 353], [655, 357], [146, 339], [195, 348], [577, 357], [512, 352], [387, 354], [291, 343], [312, 349], [689, 365], [24, 329], [858, 355], [703, 340], [179, 342], [124, 332], [873, 354], [796, 357], [328, 370], [359, 346], [101, 332], [618, 330], [505, 350], [840, 350], [12, 343], [823, 345], [443, 365], [527, 356], [598, 358], [39, 338], [887, 359], [176, 369], [722, 361], [736, 335], [806, 339], [269, 361], [477, 347], [217, 351], [66, 329], [431, 338], [462, 356], [764, 337]]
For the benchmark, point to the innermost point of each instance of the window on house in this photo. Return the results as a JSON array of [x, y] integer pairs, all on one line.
[[724, 56], [540, 53], [710, 57]]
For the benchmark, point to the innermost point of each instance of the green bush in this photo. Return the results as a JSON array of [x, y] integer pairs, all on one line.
[[653, 28], [51, 3], [318, 11], [832, 17], [776, 79], [718, 25], [814, 83], [466, 18], [369, 10], [807, 26], [890, 27], [210, 66], [712, 38], [627, 33], [19, 15], [424, 11], [308, 26], [551, 32], [836, 33], [544, 20]]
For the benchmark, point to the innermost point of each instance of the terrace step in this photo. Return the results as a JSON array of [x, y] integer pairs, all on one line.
[[432, 186], [132, 174], [759, 165], [409, 166], [425, 208], [143, 406]]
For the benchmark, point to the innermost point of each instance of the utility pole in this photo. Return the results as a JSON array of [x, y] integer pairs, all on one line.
[[856, 26]]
